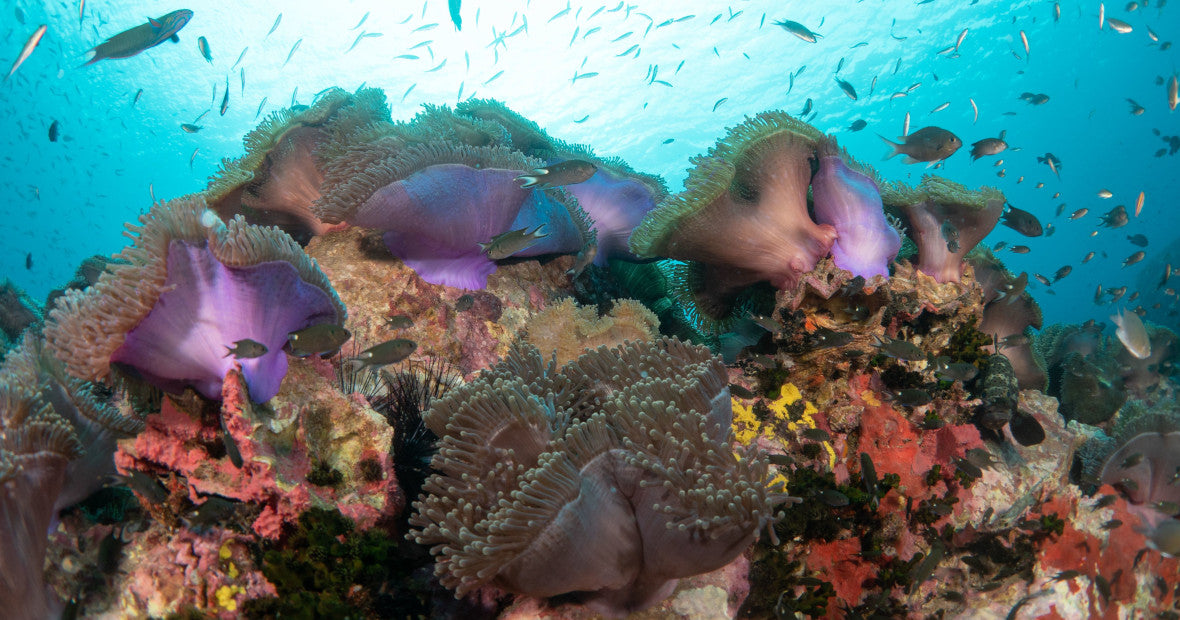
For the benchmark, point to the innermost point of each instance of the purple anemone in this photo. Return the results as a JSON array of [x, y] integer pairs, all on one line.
[[850, 202], [192, 287], [616, 203], [435, 219]]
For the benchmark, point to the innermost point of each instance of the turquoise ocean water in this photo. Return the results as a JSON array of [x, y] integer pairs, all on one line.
[[661, 81]]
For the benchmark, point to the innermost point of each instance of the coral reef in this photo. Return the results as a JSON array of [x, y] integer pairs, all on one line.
[[546, 448], [618, 471]]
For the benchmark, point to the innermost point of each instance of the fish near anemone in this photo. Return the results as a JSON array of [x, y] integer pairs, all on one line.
[[437, 202], [616, 199], [190, 285], [744, 209], [612, 476], [96, 424], [36, 446], [850, 202], [938, 203], [279, 177]]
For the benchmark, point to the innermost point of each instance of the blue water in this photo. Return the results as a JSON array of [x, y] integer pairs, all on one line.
[[69, 199]]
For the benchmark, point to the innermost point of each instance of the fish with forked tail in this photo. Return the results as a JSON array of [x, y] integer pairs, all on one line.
[[928, 144], [568, 172], [142, 37], [989, 146], [506, 244]]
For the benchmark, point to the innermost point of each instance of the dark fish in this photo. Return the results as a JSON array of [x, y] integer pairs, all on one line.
[[1020, 249], [1012, 289], [956, 371], [190, 128], [928, 144], [508, 243], [231, 446], [847, 88], [453, 6], [900, 349], [1139, 240], [28, 260], [1052, 161], [833, 498], [988, 146], [1115, 218], [798, 30], [245, 349], [388, 352], [1035, 98], [924, 569], [146, 485], [816, 434], [400, 321], [1022, 222], [142, 37], [203, 45], [1105, 501], [225, 98], [1061, 273], [868, 474], [214, 510], [1132, 460], [53, 131], [324, 339], [1134, 258], [950, 235], [807, 107], [824, 338], [567, 172], [1043, 280], [740, 391], [912, 397], [857, 125]]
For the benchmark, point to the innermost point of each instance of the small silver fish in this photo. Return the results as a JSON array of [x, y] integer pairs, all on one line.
[[798, 30], [1132, 333]]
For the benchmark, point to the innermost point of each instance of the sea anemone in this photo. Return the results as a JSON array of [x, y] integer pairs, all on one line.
[[1010, 320], [616, 201], [850, 202], [17, 311], [190, 288], [97, 425], [35, 447], [279, 177], [525, 135], [946, 220], [612, 477], [437, 202], [744, 208]]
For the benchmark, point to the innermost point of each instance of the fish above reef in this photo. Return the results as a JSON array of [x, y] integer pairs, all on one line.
[[54, 130], [947, 370], [142, 37], [1035, 98], [900, 349], [400, 321], [928, 144], [1022, 222], [989, 146], [912, 397], [388, 352], [506, 244], [797, 29], [1011, 291], [246, 349], [1139, 240], [1134, 258], [203, 46], [1115, 218], [847, 88], [1052, 161], [823, 338], [569, 172], [1132, 333], [323, 339], [1061, 273], [857, 125]]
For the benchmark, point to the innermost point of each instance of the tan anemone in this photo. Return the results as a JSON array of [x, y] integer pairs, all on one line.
[[612, 477], [744, 207]]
